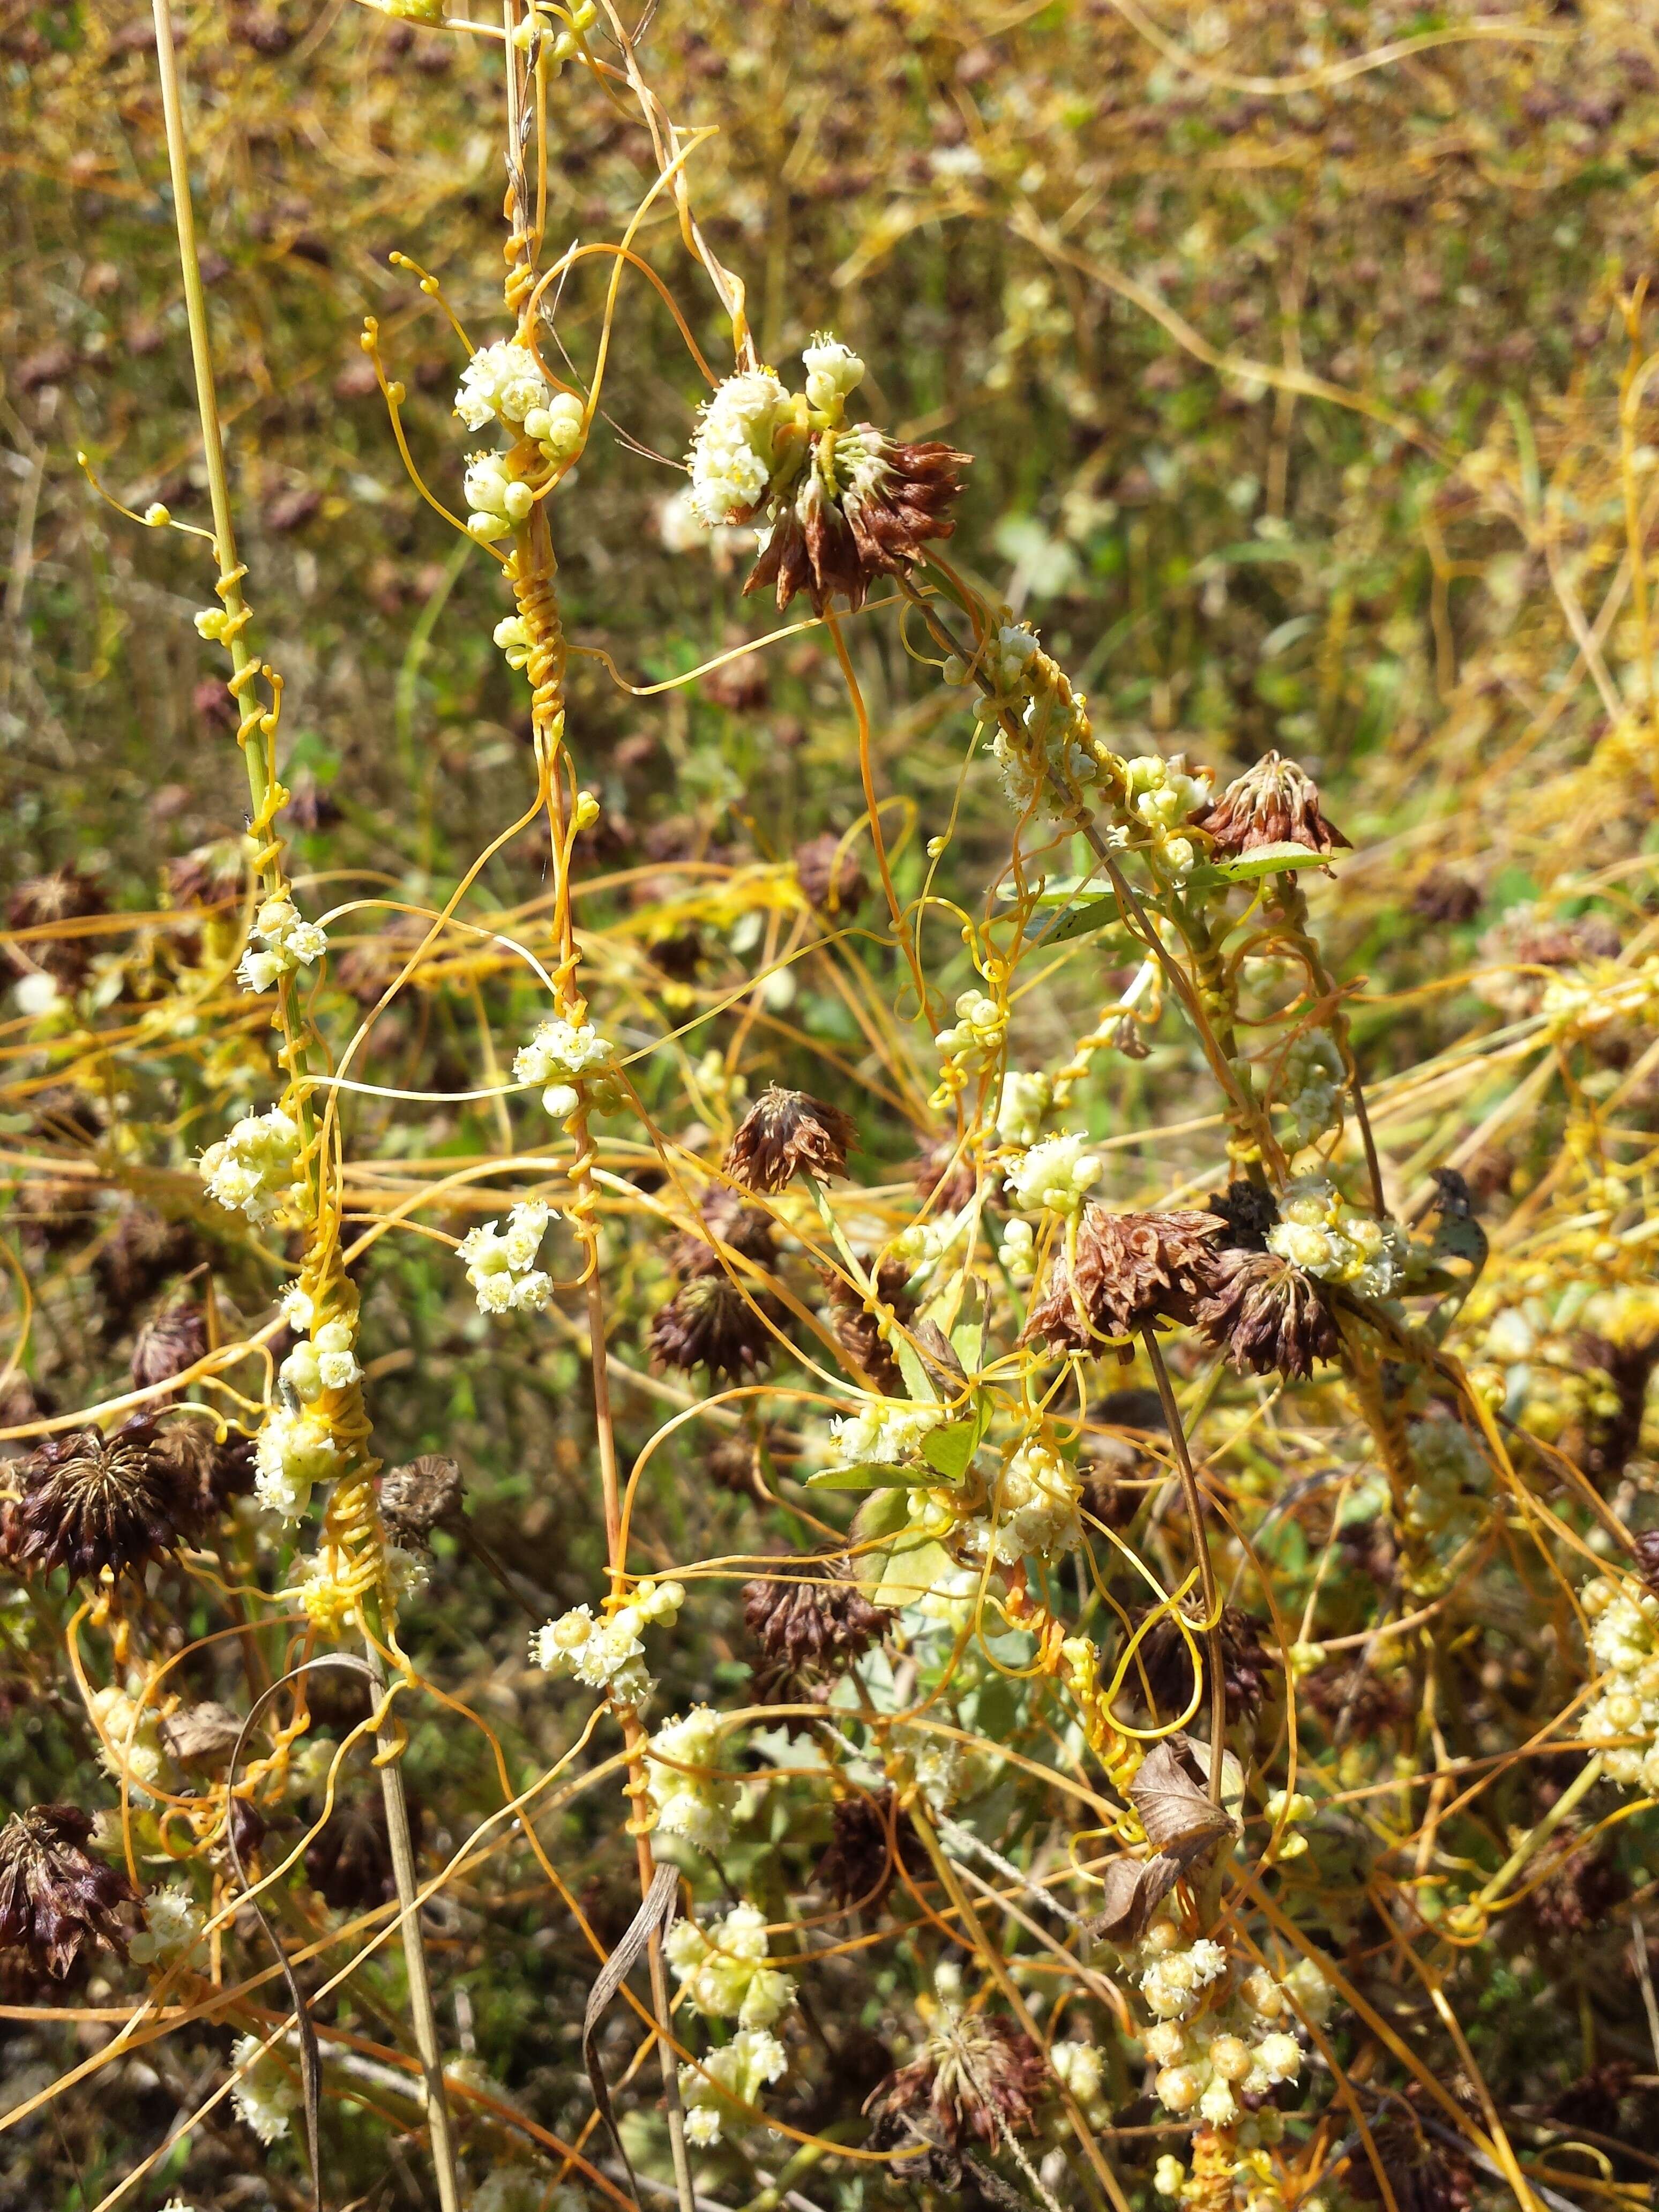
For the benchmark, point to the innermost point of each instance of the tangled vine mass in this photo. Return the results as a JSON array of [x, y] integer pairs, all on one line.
[[797, 1409]]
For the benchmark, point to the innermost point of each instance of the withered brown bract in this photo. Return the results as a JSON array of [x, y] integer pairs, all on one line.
[[1175, 1813]]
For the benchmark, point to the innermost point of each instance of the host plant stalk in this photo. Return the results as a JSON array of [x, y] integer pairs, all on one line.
[[269, 862]]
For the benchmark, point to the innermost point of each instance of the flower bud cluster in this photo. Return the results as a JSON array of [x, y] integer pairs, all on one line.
[[1159, 795], [1036, 1509], [1053, 1175], [1623, 1641], [1311, 1086], [252, 1170], [1018, 1251], [1319, 1232], [498, 497], [501, 1263], [936, 1763], [559, 1054], [265, 2093], [734, 2074], [1056, 752], [1081, 2067], [978, 1030], [1241, 2046], [561, 27], [1445, 1506], [286, 942], [174, 1926], [697, 1805], [295, 1451], [1025, 1099], [734, 450], [131, 1741], [726, 1970], [607, 1654]]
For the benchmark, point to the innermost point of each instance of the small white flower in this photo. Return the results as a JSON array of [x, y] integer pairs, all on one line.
[[37, 994], [294, 1451], [499, 1263], [501, 382], [832, 371], [1025, 1099], [559, 1052], [696, 1805], [174, 1926], [737, 2071]]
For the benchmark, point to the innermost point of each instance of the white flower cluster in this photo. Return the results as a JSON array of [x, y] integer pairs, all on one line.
[[1036, 1512], [501, 1263], [503, 383], [607, 1654], [174, 1926], [288, 942], [727, 1970], [325, 1362], [979, 1028], [696, 1805], [265, 2093], [1623, 1641], [732, 454], [296, 1449], [1320, 1231], [734, 2074], [1243, 2045], [1311, 1087], [1161, 795], [1053, 1175], [1025, 1099], [884, 1432], [936, 1762], [559, 1054], [251, 1171]]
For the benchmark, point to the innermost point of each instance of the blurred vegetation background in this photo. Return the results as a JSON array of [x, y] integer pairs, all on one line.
[[1303, 413]]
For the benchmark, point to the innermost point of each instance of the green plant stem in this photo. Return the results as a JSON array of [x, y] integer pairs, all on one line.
[[1537, 1835]]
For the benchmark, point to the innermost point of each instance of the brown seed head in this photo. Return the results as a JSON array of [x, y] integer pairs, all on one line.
[[748, 1230], [419, 1496], [89, 1501], [58, 900], [1130, 1269], [1246, 1668], [1266, 1314], [813, 1615], [979, 2077], [863, 506], [709, 1323], [856, 1329], [789, 1132], [350, 1863], [1274, 803], [56, 1900]]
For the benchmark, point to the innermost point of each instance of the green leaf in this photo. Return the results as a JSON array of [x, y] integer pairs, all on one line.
[[1099, 914], [948, 1451], [869, 1474], [1270, 861], [882, 1513], [918, 1383]]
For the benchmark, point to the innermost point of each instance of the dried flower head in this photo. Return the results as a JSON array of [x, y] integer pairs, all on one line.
[[1130, 1269], [870, 1837], [202, 1735], [862, 505], [56, 1900], [1580, 1895], [419, 1496], [1266, 1314], [1422, 2176], [1274, 803], [830, 879], [138, 1255], [812, 1614], [166, 1344], [980, 2077], [1444, 896], [1647, 1558], [90, 1501], [789, 1132], [709, 1323]]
